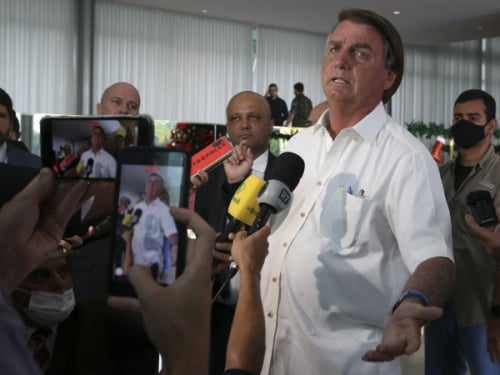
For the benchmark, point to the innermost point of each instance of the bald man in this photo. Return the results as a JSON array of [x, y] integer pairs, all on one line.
[[120, 98]]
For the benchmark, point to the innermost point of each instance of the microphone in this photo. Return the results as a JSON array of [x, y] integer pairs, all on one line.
[[273, 197], [130, 220], [276, 194], [89, 167], [136, 217], [243, 207]]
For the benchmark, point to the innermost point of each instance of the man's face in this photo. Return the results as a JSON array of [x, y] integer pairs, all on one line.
[[153, 187], [119, 99], [97, 138], [52, 276], [474, 111], [273, 91], [4, 124], [353, 73], [249, 120]]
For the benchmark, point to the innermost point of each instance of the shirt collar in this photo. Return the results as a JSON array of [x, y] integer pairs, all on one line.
[[259, 164], [3, 153], [368, 127]]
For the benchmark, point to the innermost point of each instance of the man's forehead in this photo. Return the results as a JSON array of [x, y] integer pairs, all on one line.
[[350, 31]]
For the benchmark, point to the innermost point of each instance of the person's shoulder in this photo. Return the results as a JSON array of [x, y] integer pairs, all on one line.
[[20, 157]]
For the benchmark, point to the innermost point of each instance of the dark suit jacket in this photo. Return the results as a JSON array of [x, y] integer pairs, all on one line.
[[17, 156], [96, 340], [212, 202], [212, 199]]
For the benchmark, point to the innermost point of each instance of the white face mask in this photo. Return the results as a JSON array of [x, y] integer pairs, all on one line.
[[47, 308]]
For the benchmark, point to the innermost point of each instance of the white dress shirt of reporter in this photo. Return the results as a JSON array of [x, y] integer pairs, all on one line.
[[356, 226], [104, 164], [145, 242]]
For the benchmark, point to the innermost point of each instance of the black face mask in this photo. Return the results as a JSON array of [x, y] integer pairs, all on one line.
[[467, 134]]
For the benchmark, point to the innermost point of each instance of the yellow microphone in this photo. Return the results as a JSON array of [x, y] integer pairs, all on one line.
[[243, 208]]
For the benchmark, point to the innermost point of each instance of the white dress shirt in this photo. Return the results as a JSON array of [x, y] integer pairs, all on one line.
[[368, 210]]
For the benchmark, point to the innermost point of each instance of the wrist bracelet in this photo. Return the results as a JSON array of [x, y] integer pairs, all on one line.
[[412, 293]]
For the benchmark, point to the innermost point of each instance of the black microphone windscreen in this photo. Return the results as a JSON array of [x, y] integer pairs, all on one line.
[[287, 168], [90, 162]]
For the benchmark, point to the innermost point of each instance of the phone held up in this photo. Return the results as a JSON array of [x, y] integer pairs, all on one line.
[[86, 146], [482, 208], [150, 180]]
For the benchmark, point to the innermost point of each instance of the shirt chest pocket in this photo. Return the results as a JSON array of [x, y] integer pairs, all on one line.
[[341, 221]]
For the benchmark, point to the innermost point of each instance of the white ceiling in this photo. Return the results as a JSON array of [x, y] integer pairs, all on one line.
[[420, 21]]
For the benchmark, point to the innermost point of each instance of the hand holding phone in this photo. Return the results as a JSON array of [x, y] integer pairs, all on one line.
[[152, 180], [211, 156], [482, 207]]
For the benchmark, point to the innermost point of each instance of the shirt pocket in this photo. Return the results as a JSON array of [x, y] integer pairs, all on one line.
[[343, 221]]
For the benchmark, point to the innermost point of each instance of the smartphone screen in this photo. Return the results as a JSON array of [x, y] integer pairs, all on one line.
[[149, 182], [87, 146]]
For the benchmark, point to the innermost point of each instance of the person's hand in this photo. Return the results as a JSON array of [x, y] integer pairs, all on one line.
[[127, 235], [488, 236], [402, 331], [239, 164], [70, 245], [33, 222], [177, 317], [493, 339], [249, 251], [199, 179], [222, 255]]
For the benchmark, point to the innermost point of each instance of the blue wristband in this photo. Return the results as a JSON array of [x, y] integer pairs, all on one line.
[[412, 293]]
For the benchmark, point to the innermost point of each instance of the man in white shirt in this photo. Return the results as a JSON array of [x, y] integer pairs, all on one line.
[[146, 244], [368, 225], [97, 162]]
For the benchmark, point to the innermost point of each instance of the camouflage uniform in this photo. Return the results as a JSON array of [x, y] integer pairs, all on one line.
[[301, 107]]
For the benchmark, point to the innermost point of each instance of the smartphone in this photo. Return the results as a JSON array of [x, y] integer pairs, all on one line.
[[482, 208], [211, 156], [87, 146], [150, 180]]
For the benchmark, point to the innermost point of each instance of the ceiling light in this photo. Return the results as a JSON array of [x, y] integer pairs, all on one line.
[[204, 11], [396, 12]]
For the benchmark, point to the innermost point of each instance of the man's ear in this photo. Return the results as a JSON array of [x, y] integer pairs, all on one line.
[[98, 108], [389, 79], [492, 128]]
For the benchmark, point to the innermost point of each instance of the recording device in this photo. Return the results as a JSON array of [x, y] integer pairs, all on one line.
[[132, 219], [211, 156], [243, 207], [153, 179], [482, 208], [74, 134], [274, 196], [89, 167]]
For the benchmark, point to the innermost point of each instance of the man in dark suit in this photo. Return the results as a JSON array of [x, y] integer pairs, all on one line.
[[9, 153], [87, 337], [249, 126]]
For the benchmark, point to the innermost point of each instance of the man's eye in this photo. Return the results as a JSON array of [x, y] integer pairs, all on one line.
[[132, 106], [115, 101]]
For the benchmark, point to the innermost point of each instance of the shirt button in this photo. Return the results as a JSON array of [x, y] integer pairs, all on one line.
[[319, 183], [302, 214], [274, 279], [270, 314], [285, 244]]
